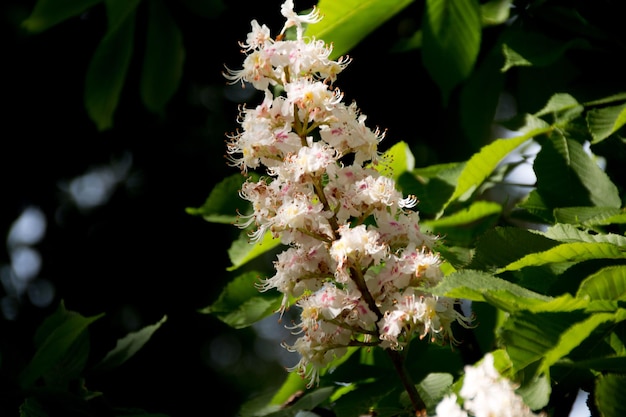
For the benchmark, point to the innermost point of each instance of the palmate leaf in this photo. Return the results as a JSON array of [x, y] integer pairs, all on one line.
[[347, 22], [568, 252], [451, 41]]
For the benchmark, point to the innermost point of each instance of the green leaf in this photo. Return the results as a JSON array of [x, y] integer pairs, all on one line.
[[483, 163], [127, 346], [451, 41], [108, 67], [495, 12], [396, 161], [607, 284], [609, 395], [48, 13], [164, 57], [241, 304], [568, 252], [242, 251], [222, 205], [569, 233], [562, 107], [345, 23], [54, 339], [477, 285], [432, 185], [605, 121], [567, 176], [525, 48], [433, 388], [590, 216]]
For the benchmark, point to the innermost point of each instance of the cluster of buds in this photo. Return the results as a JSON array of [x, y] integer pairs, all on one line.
[[357, 263]]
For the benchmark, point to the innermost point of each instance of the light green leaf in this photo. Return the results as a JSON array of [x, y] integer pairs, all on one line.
[[163, 60], [242, 251], [562, 107], [48, 13], [607, 284], [475, 285], [568, 252], [603, 122], [451, 41], [476, 211], [345, 23], [495, 12], [395, 161], [107, 70], [590, 216], [609, 395], [569, 233], [126, 347], [483, 163], [241, 304], [433, 388]]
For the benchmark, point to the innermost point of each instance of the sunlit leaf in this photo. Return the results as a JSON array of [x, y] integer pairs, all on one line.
[[590, 216], [347, 22], [242, 250], [126, 347], [495, 12], [569, 233], [610, 392], [562, 107], [603, 122], [163, 60], [396, 160], [107, 70], [483, 163], [48, 13], [463, 226], [451, 41], [241, 304], [607, 284]]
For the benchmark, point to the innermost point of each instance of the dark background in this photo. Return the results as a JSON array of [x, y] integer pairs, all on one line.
[[139, 256]]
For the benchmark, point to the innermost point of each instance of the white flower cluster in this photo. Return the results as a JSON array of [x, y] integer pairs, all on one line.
[[357, 262], [485, 393]]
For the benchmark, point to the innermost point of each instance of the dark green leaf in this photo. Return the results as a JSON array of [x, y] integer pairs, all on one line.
[[241, 304], [127, 346], [433, 388], [243, 251], [163, 59], [224, 203], [609, 395], [590, 216], [451, 41], [107, 70], [48, 13]]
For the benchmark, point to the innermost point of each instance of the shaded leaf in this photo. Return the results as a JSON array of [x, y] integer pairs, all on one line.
[[107, 70], [451, 41], [590, 216], [609, 395], [126, 347], [241, 304], [347, 22], [163, 60], [433, 388], [222, 205], [48, 13], [603, 122]]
